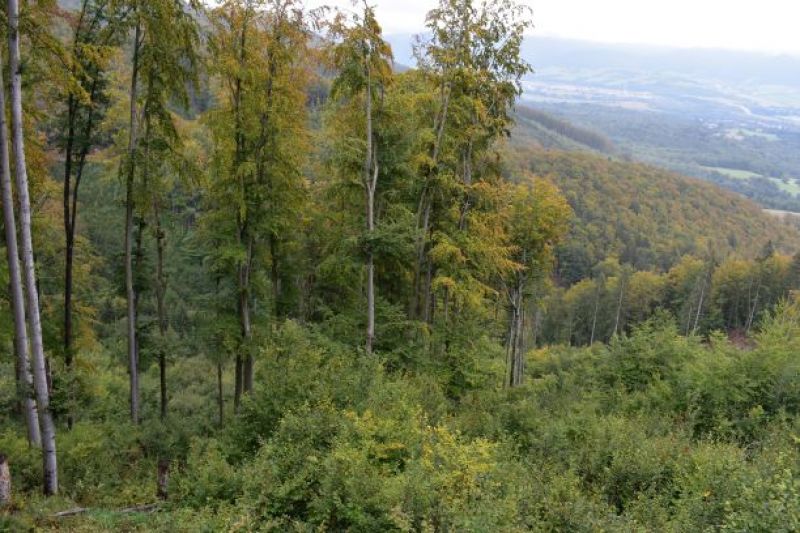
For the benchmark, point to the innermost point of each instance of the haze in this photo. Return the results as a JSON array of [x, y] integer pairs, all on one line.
[[765, 26]]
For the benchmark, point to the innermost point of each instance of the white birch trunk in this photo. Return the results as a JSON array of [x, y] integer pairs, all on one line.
[[39, 371], [25, 379]]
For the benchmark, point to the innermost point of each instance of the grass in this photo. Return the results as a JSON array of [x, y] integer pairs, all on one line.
[[789, 186]]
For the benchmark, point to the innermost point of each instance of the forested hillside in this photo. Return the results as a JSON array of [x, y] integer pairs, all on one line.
[[261, 279], [648, 217]]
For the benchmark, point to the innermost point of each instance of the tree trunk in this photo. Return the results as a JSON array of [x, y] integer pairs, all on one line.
[[70, 207], [133, 363], [511, 342], [69, 233], [5, 481], [619, 306], [163, 320], [515, 340], [162, 479], [25, 379], [245, 321], [424, 211], [237, 387], [752, 314], [699, 306], [220, 398], [370, 183], [275, 278], [37, 349]]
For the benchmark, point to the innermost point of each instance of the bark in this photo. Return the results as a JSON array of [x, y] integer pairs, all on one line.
[[245, 320], [162, 480], [619, 306], [25, 379], [594, 316], [275, 277], [370, 183], [752, 315], [244, 368], [133, 356], [220, 398], [424, 212], [515, 349], [163, 320], [510, 342], [5, 481], [37, 349], [70, 207], [237, 391], [699, 306]]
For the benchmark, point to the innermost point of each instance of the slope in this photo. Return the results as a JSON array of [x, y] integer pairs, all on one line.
[[648, 217]]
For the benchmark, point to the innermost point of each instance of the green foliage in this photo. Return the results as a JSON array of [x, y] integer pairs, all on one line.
[[602, 291]]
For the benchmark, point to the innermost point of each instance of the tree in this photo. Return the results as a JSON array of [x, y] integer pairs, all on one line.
[[95, 29], [24, 377], [364, 62], [168, 70], [163, 60], [537, 221], [31, 289], [473, 64], [259, 135]]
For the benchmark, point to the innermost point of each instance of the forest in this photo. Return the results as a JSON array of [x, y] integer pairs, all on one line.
[[256, 277]]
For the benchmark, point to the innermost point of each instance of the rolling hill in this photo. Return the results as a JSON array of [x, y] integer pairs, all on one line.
[[648, 217]]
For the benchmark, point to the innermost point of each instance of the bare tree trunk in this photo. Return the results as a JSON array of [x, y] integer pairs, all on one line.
[[370, 183], [510, 343], [163, 319], [162, 479], [519, 353], [220, 398], [5, 481], [275, 278], [39, 372], [594, 316], [515, 341], [619, 305], [424, 212], [752, 314], [25, 380], [699, 306], [237, 391], [245, 319], [133, 356]]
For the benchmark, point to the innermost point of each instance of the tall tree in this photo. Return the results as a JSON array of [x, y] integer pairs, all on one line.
[[261, 51], [129, 171], [32, 291], [364, 62], [24, 377], [537, 220], [169, 70], [94, 31], [163, 51], [473, 64]]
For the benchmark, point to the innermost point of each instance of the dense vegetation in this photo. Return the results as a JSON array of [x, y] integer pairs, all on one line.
[[752, 163], [285, 287]]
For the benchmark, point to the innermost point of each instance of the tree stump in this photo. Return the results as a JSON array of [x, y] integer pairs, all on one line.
[[5, 481]]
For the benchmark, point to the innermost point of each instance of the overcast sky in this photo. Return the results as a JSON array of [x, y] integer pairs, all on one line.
[[762, 25]]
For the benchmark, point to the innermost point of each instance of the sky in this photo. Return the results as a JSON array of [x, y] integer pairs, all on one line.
[[763, 25]]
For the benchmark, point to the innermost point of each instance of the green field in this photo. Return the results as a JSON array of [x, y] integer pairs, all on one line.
[[790, 185]]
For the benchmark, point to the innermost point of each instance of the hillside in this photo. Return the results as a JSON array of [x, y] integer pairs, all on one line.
[[260, 279], [648, 217], [532, 125]]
